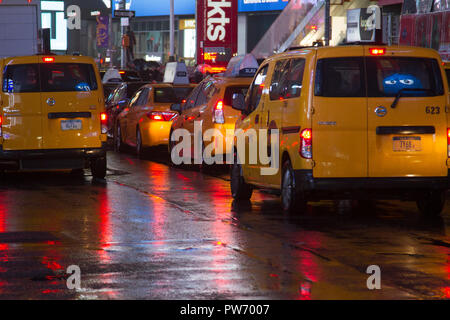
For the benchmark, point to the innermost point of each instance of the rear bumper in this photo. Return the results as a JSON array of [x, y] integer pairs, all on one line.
[[49, 158], [155, 133], [391, 185]]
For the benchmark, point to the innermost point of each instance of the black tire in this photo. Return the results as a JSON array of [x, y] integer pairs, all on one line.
[[98, 168], [292, 199], [139, 148], [77, 172], [431, 203], [118, 144], [240, 190]]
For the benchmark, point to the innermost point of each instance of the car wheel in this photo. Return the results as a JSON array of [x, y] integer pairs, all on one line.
[[240, 190], [139, 147], [98, 167], [292, 199], [431, 203], [118, 144]]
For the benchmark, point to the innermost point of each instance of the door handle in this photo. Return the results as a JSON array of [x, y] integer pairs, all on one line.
[[51, 102], [257, 118]]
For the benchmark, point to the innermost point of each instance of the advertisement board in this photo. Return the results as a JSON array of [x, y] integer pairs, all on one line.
[[216, 32], [146, 8], [261, 5], [407, 25], [358, 26]]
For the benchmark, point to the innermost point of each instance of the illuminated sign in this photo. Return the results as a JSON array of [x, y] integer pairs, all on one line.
[[261, 5], [52, 17], [187, 7]]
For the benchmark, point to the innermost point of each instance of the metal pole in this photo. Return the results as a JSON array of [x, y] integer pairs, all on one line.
[[122, 33], [110, 40], [327, 22], [172, 30]]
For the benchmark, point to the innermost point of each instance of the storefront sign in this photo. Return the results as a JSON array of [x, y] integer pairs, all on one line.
[[362, 24], [187, 24], [261, 5]]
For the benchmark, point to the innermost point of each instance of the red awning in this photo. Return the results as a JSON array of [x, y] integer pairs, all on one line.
[[388, 2]]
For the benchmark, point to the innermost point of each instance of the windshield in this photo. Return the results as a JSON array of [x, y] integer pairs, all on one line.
[[171, 95], [386, 76]]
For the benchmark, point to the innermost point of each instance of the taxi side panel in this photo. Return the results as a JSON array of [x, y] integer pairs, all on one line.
[[22, 111], [339, 126]]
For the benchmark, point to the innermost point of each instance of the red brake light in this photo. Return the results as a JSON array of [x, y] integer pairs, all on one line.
[[161, 116], [377, 51], [122, 72], [448, 142], [219, 105], [103, 122], [48, 59], [218, 116], [306, 143]]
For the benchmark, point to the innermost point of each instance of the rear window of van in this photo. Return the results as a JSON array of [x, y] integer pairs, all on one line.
[[55, 77], [386, 76]]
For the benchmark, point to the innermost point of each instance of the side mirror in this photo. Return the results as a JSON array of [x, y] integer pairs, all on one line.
[[238, 102], [176, 107]]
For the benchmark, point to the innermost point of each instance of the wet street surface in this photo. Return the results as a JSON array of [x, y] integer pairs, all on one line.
[[150, 231]]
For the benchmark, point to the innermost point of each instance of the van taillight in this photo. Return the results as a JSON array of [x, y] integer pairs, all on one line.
[[448, 142], [218, 116], [306, 143], [104, 122]]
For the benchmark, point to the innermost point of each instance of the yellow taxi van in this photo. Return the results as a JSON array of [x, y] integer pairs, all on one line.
[[354, 121], [52, 114], [209, 104]]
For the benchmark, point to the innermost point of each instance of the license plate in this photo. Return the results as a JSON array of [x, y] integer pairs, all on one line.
[[407, 144], [71, 125]]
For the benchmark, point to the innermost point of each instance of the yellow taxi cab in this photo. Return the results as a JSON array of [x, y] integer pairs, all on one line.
[[52, 114], [354, 121], [147, 120], [209, 107]]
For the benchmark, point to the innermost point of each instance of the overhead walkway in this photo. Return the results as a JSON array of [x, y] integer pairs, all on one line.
[[302, 22]]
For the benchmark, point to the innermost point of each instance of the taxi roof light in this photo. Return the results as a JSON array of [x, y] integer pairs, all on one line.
[[48, 59], [377, 51]]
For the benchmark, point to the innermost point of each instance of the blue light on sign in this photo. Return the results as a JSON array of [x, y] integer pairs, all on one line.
[[158, 8], [261, 5], [162, 8]]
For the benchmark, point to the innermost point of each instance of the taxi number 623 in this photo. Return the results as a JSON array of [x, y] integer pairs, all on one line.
[[433, 110]]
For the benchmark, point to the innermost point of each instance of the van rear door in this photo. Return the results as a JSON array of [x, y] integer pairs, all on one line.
[[71, 103], [339, 120], [22, 125], [407, 138]]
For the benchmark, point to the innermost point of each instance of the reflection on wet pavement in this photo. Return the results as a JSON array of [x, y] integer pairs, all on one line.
[[155, 232]]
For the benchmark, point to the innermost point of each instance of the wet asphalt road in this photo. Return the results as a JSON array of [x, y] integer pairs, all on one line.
[[150, 231]]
